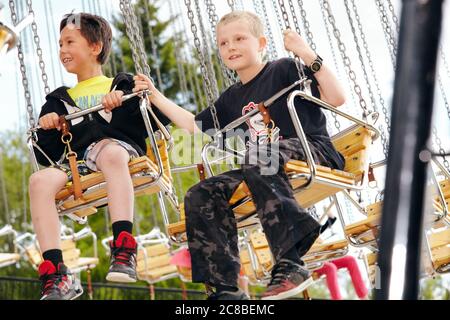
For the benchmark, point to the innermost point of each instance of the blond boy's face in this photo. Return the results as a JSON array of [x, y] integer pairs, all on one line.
[[238, 47], [75, 53]]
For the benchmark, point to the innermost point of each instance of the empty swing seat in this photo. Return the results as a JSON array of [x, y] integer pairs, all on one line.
[[9, 258], [153, 263], [366, 231], [439, 246], [71, 256]]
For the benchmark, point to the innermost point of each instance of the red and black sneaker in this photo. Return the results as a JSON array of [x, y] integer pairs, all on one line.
[[58, 284], [288, 279], [123, 259]]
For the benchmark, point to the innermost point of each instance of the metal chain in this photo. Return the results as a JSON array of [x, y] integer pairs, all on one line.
[[37, 42], [394, 16], [153, 45], [231, 4], [260, 8], [444, 96], [131, 35], [294, 17], [204, 70], [277, 11], [375, 79], [301, 72], [444, 60], [392, 46], [441, 149], [23, 70], [207, 53], [360, 56], [133, 31], [306, 26], [346, 59], [230, 77]]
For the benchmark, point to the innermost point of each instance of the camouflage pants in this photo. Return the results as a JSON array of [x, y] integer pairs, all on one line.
[[211, 225]]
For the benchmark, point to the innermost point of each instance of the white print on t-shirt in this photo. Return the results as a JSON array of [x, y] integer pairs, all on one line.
[[256, 124]]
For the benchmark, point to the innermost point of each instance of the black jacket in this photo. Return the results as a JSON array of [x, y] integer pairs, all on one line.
[[126, 124]]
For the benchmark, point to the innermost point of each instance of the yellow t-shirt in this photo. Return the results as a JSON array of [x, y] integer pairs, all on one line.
[[89, 93]]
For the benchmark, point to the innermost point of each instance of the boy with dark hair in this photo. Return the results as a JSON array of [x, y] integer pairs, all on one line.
[[210, 222], [106, 140]]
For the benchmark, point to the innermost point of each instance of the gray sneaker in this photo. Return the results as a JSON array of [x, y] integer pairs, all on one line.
[[288, 279]]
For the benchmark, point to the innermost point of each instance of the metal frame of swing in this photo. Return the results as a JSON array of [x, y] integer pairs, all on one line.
[[157, 176]]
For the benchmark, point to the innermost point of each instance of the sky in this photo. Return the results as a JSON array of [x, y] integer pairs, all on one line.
[[12, 105]]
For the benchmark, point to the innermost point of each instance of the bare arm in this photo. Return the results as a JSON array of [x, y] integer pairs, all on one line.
[[329, 87], [181, 117]]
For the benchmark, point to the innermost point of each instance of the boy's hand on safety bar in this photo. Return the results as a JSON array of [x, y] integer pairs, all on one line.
[[295, 43], [142, 82], [112, 100], [49, 121]]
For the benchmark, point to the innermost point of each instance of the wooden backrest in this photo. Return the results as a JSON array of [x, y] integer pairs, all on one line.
[[353, 144], [158, 255], [68, 248], [162, 147]]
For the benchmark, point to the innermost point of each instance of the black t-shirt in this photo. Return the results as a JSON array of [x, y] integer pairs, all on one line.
[[240, 98]]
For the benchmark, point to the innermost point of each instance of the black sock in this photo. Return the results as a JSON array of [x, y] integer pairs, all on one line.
[[292, 255], [220, 288], [54, 255], [119, 226]]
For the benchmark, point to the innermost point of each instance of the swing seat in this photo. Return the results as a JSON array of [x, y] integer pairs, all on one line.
[[143, 172], [444, 185], [353, 143], [71, 256], [372, 267], [153, 263], [365, 232], [9, 258], [439, 243]]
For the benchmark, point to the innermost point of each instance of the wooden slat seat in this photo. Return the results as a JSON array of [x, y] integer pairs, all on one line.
[[439, 243], [351, 143], [8, 258], [141, 170], [153, 263], [71, 256], [366, 230]]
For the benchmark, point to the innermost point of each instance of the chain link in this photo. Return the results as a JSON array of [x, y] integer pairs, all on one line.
[[388, 34], [394, 16], [204, 70], [23, 70], [346, 59], [133, 31], [306, 26], [207, 53], [301, 72], [294, 17], [384, 139], [231, 4], [260, 8], [230, 77], [153, 45], [441, 149], [37, 43]]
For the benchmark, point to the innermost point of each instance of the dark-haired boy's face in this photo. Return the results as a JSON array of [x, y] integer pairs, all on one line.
[[75, 52]]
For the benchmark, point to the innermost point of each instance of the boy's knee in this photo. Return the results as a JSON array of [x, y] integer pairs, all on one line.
[[113, 156], [45, 180]]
